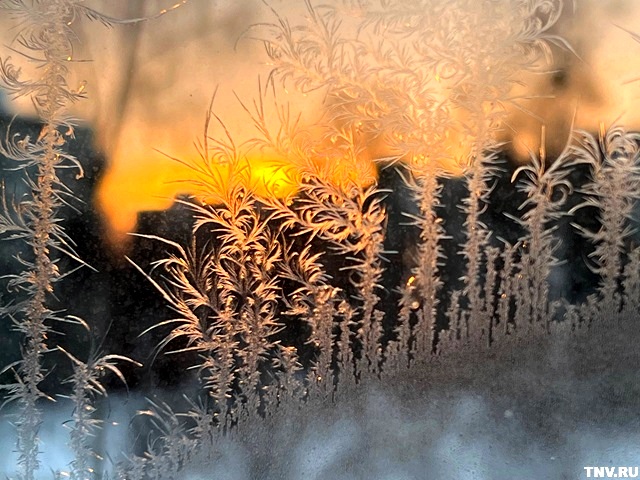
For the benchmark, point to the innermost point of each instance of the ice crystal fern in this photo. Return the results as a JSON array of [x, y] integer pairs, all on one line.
[[421, 84]]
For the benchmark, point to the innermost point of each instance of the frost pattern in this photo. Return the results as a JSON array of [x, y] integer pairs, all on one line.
[[427, 82]]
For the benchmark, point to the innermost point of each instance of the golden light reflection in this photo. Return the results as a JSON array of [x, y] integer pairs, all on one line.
[[151, 183], [142, 185]]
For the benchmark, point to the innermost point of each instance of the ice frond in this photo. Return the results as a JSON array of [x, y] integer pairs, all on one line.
[[613, 190], [547, 188]]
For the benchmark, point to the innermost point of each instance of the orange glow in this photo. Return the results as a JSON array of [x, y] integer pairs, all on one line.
[[143, 180], [262, 175], [142, 185], [153, 182]]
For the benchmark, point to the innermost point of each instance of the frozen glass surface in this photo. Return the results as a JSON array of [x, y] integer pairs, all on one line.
[[319, 240]]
